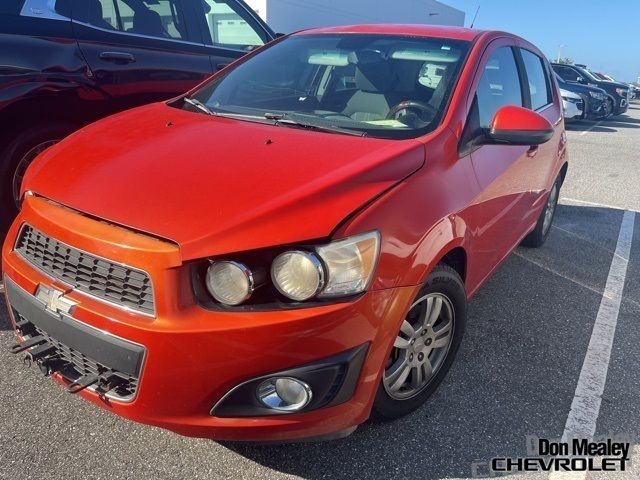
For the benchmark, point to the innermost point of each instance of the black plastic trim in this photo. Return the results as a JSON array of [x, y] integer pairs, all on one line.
[[333, 381], [118, 354]]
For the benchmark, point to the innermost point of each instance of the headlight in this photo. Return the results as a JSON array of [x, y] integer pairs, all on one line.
[[342, 268], [230, 283], [597, 95], [298, 275], [350, 264]]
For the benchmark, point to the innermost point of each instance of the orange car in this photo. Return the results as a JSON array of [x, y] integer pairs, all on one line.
[[289, 248]]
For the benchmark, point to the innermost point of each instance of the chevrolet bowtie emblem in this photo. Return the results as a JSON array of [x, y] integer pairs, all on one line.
[[54, 300]]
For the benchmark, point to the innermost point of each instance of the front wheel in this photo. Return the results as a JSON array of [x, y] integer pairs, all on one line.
[[425, 346], [610, 108]]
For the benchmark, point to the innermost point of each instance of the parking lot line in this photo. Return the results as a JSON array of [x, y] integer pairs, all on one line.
[[582, 134], [575, 201], [585, 408]]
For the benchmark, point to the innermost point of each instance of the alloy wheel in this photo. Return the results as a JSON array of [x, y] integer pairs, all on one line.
[[421, 347], [24, 163]]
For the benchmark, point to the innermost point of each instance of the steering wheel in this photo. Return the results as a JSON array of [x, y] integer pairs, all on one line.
[[414, 110]]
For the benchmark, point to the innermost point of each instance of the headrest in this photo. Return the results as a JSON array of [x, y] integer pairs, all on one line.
[[373, 71]]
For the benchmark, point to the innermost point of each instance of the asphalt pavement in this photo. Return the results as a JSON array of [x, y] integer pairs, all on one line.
[[516, 375]]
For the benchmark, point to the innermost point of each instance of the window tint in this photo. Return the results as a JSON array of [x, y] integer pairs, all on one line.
[[499, 86], [227, 25], [11, 6], [538, 81], [157, 18], [567, 73]]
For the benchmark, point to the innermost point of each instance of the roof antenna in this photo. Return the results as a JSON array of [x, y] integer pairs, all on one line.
[[474, 17]]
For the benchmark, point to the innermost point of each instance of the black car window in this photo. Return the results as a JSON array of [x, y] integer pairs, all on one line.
[[152, 18], [227, 24], [539, 84], [499, 86], [567, 73]]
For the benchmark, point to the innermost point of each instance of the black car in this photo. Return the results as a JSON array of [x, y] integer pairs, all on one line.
[[594, 99], [618, 93], [66, 63]]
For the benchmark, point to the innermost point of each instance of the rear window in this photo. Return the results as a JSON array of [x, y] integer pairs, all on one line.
[[539, 85]]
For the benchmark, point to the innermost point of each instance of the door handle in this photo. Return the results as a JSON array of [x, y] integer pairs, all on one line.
[[220, 66], [118, 57], [533, 151]]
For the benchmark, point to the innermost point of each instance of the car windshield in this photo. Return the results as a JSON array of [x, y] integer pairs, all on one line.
[[375, 85]]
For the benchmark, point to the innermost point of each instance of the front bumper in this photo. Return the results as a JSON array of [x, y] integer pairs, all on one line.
[[595, 109], [194, 357], [622, 105]]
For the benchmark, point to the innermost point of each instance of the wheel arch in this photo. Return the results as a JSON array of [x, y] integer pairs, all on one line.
[[563, 172]]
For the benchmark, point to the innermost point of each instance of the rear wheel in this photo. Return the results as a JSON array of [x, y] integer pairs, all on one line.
[[539, 235], [16, 158], [425, 346]]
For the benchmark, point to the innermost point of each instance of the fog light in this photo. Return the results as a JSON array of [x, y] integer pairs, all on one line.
[[284, 394]]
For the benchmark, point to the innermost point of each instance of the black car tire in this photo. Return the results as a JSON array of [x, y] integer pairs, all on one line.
[[446, 282], [611, 106], [14, 154], [539, 235]]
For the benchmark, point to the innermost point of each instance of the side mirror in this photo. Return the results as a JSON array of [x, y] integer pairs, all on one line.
[[581, 80], [513, 125]]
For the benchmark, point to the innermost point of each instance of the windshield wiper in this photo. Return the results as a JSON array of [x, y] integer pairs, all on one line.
[[199, 105], [288, 119]]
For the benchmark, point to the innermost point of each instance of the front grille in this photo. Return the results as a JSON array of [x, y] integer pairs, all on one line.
[[73, 365], [114, 283]]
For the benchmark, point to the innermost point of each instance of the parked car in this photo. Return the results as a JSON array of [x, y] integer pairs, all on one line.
[[603, 76], [573, 105], [289, 248], [67, 63], [618, 93], [594, 98]]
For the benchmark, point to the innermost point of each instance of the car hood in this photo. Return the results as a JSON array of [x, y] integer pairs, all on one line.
[[577, 88], [215, 185]]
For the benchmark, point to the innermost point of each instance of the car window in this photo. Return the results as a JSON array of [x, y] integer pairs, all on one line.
[[227, 25], [499, 85], [567, 73], [153, 18], [539, 85]]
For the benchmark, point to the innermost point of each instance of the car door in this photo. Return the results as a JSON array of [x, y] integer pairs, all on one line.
[[502, 171], [229, 29], [542, 97], [140, 51]]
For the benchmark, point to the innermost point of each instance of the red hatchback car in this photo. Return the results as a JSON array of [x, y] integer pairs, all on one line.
[[288, 249]]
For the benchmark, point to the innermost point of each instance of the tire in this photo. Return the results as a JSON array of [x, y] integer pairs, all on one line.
[[444, 284], [16, 156], [610, 108], [539, 235]]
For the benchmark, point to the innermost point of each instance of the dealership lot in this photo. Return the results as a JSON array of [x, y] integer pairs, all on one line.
[[516, 374]]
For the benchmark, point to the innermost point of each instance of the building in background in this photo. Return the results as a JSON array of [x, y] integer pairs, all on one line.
[[287, 16]]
